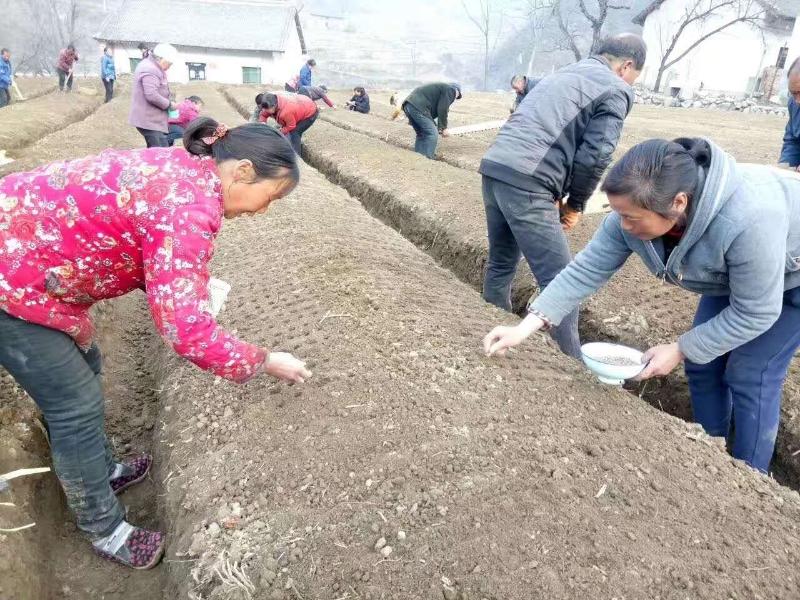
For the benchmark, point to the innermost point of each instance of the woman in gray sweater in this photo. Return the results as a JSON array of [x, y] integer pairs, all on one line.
[[726, 231]]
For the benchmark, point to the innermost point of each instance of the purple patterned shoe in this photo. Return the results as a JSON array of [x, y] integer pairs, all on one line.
[[132, 546], [135, 471]]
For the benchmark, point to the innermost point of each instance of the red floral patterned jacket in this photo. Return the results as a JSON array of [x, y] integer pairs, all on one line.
[[73, 233]]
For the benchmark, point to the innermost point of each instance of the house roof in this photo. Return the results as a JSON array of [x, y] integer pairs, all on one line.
[[221, 24], [788, 8]]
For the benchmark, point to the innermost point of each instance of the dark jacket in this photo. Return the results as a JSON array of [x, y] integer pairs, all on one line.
[[742, 241], [529, 85], [433, 100], [360, 103], [562, 136], [790, 153], [315, 93]]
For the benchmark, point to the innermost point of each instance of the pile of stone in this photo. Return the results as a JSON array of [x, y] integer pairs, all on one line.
[[708, 100]]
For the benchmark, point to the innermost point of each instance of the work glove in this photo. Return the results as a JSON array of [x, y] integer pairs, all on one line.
[[569, 217]]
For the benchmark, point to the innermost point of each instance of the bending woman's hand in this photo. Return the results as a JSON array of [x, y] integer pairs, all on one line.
[[286, 367], [661, 360], [501, 338]]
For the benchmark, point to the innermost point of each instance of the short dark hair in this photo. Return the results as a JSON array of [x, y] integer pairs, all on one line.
[[360, 90], [268, 100], [794, 68], [70, 47], [324, 88], [625, 46], [311, 62], [270, 152], [652, 173], [4, 50], [517, 78], [195, 99]]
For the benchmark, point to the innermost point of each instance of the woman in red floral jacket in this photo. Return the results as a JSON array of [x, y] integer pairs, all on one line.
[[73, 233]]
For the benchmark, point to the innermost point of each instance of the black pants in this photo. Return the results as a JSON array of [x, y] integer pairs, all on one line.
[[109, 85], [289, 88], [62, 77], [295, 137], [5, 97], [153, 138]]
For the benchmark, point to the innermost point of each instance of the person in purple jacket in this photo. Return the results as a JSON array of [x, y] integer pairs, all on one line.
[[150, 101]]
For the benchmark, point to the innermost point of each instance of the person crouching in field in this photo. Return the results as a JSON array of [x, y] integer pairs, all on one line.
[[316, 92], [728, 232], [359, 102], [74, 233], [188, 110], [427, 108], [295, 113]]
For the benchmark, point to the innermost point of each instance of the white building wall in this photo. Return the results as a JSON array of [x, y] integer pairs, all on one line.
[[728, 61], [224, 66]]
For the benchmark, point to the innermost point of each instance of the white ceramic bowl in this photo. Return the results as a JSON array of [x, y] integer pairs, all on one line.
[[594, 353]]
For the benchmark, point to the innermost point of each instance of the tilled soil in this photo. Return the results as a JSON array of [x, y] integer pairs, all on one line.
[[33, 87], [518, 478], [52, 560], [448, 222], [23, 123]]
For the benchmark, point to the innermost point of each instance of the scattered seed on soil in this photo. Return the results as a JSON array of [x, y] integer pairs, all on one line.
[[617, 361]]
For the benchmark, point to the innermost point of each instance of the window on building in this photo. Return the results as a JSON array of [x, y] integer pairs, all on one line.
[[134, 63], [783, 53], [197, 71], [251, 75]]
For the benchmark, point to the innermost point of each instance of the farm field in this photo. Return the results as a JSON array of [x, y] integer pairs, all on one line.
[[485, 478]]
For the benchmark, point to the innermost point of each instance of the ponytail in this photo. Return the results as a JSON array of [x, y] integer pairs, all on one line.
[[270, 152], [652, 173]]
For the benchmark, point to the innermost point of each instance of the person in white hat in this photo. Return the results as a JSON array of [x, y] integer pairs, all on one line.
[[150, 101]]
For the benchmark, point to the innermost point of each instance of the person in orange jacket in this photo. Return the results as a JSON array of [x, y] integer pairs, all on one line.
[[294, 113]]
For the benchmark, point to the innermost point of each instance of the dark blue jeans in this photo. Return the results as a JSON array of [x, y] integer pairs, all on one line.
[[153, 138], [296, 136], [66, 385], [175, 133], [522, 223], [425, 128], [746, 383]]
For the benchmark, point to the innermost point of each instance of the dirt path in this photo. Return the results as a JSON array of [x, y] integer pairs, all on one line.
[[64, 565]]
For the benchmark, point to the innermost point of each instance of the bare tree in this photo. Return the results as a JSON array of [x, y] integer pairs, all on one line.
[[590, 23], [488, 18], [718, 15], [537, 17]]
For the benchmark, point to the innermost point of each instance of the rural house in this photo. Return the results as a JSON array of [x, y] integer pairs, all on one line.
[[746, 58], [228, 41]]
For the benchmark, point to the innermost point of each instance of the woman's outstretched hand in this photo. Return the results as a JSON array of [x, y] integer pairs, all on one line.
[[503, 337], [661, 360], [286, 367]]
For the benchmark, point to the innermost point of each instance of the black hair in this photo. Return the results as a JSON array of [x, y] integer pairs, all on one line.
[[4, 50], [270, 152], [71, 47], [516, 78], [652, 173], [794, 69], [625, 46], [259, 97], [106, 49], [324, 88], [360, 90], [268, 100], [311, 62], [195, 99]]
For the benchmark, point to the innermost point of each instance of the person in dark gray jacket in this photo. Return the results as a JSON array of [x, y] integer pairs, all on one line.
[[728, 232], [427, 108], [522, 85], [556, 144]]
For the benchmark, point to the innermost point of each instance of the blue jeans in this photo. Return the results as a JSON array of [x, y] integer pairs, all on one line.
[[296, 136], [175, 133], [522, 223], [425, 128], [66, 385], [746, 383]]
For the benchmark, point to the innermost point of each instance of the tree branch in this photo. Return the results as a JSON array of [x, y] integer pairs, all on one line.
[[594, 21], [700, 40]]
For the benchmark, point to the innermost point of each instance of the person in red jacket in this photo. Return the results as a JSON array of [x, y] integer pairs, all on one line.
[[74, 233], [66, 61], [188, 110], [295, 114]]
